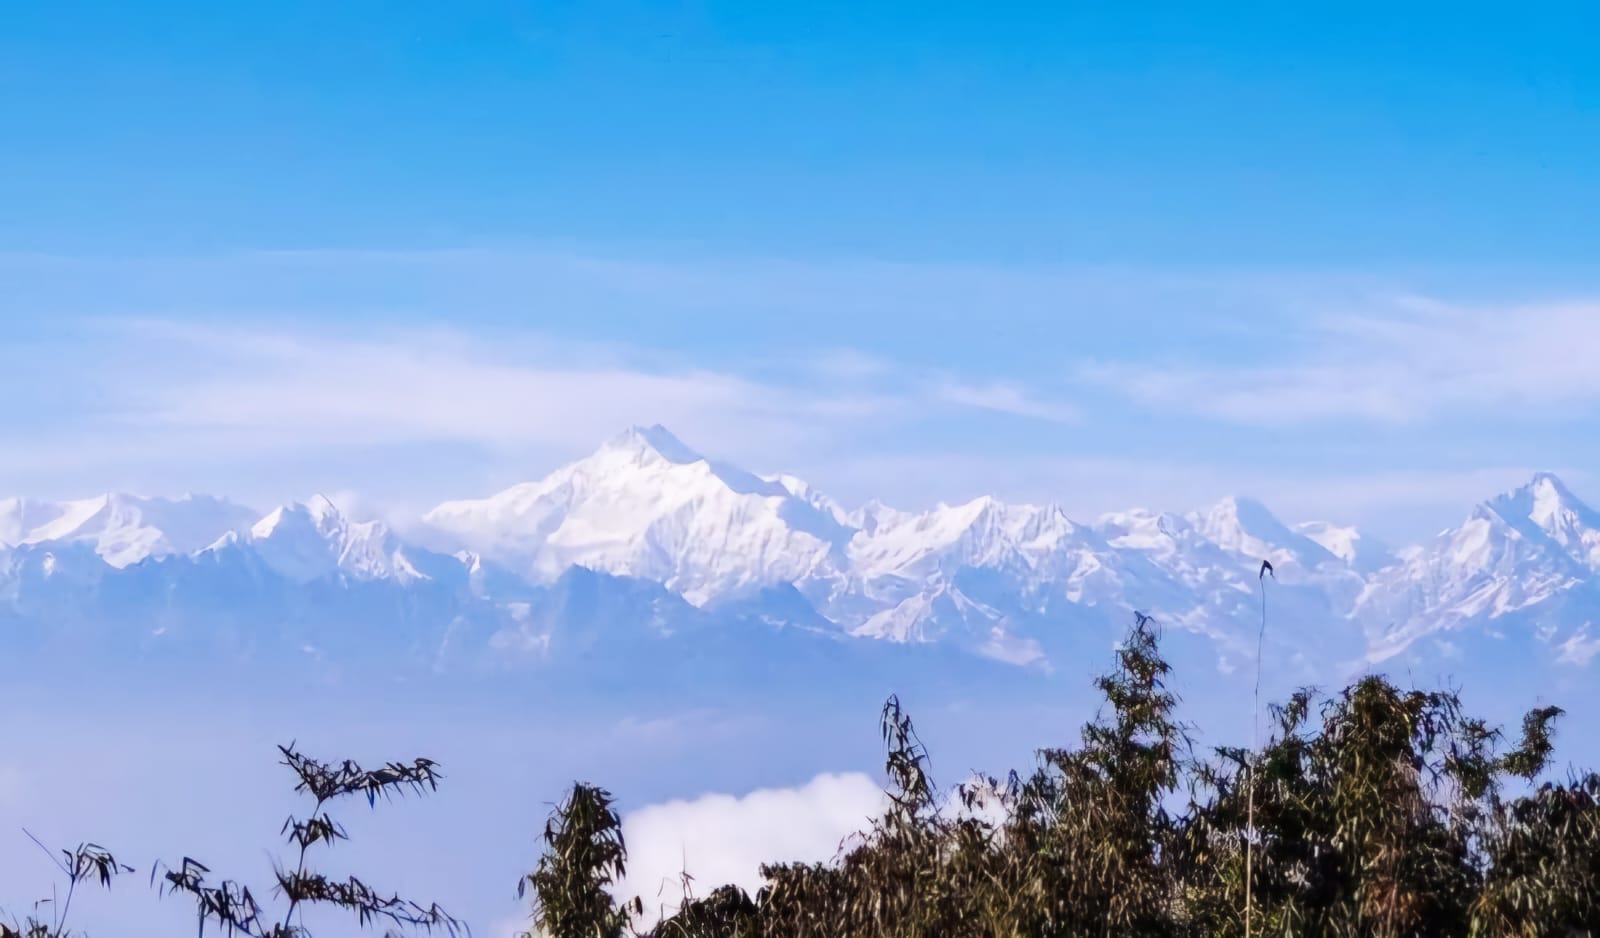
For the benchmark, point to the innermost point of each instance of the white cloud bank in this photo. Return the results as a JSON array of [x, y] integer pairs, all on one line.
[[724, 839], [721, 839]]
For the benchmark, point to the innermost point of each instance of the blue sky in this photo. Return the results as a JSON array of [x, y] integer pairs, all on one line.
[[1338, 257]]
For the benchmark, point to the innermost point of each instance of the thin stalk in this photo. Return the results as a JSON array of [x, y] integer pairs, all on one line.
[[72, 887], [1255, 745], [300, 869], [58, 913]]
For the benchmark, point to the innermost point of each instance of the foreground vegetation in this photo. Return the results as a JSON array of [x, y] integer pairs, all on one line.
[[1375, 811]]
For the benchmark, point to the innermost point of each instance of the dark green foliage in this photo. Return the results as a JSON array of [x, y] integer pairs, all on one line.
[[1088, 839], [1378, 812], [726, 911], [584, 854], [1544, 864]]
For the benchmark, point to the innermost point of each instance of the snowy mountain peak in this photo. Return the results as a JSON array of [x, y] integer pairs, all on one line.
[[1545, 479], [1245, 526], [644, 455], [1551, 505], [1348, 544], [1517, 556], [311, 540], [1241, 512], [802, 490], [20, 517], [1535, 509], [654, 441], [123, 529], [324, 510], [646, 505], [316, 516], [1142, 529], [1543, 496], [1544, 510]]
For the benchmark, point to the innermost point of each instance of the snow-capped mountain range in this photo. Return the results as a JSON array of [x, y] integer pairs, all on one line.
[[646, 540]]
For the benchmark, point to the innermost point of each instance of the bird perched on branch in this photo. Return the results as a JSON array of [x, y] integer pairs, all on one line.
[[1266, 568]]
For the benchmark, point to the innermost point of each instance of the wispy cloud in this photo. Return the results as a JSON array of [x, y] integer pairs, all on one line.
[[257, 388], [1407, 360], [1246, 348], [668, 729], [436, 386], [1002, 398], [1579, 649], [182, 391], [254, 373]]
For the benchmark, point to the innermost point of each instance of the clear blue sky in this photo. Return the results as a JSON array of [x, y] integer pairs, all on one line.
[[1339, 255]]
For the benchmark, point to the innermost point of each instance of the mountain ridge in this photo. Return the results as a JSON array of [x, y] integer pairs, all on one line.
[[653, 517]]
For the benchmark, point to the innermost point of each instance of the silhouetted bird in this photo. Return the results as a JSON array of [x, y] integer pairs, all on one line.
[[1266, 568]]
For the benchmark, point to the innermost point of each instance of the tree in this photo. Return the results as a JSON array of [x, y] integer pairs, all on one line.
[[584, 855]]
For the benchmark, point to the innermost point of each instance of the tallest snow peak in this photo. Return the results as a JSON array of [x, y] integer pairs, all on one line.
[[654, 439], [1550, 505], [1547, 486], [1546, 501]]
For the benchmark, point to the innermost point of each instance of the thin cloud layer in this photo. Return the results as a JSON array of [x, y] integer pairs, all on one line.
[[275, 388], [1413, 360], [1005, 398], [914, 383]]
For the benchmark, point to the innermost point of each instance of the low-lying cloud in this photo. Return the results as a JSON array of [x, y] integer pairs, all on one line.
[[720, 839]]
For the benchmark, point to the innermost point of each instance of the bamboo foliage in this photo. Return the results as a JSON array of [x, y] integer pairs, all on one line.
[[1377, 812], [234, 910]]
